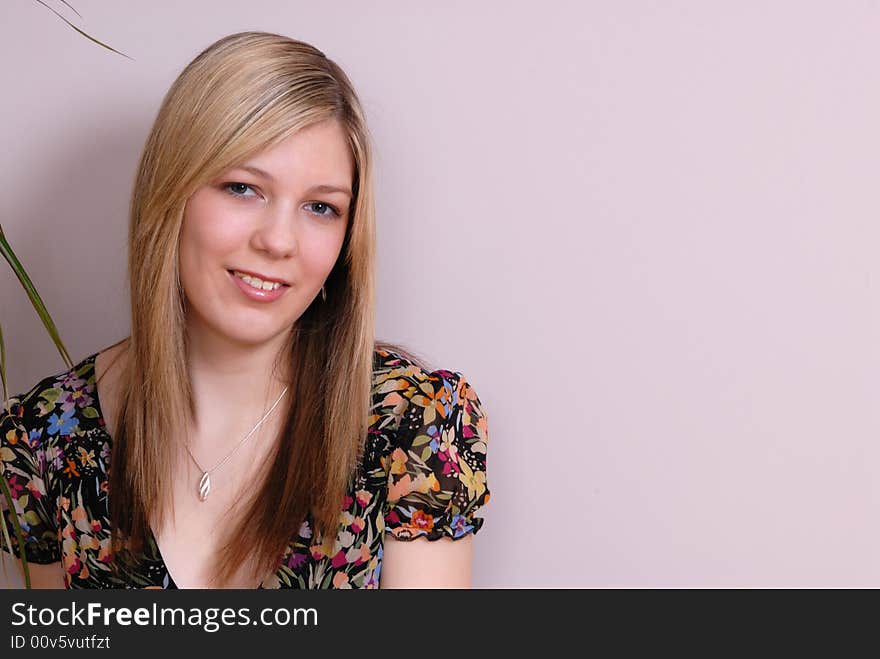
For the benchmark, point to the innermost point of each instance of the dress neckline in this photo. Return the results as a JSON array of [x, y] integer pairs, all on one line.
[[102, 423]]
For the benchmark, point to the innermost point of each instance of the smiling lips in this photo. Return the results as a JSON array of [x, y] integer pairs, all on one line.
[[255, 293], [261, 277]]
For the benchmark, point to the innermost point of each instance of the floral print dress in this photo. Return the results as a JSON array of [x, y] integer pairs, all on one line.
[[423, 475]]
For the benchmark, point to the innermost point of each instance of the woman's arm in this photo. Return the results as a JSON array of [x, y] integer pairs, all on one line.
[[43, 577], [420, 563]]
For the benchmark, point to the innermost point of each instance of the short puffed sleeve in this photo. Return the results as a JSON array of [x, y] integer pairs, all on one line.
[[23, 468], [437, 468]]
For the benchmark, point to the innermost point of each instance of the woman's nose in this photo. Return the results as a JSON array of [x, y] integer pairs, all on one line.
[[277, 233]]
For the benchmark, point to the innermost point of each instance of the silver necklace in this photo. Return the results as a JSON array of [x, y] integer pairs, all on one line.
[[205, 481]]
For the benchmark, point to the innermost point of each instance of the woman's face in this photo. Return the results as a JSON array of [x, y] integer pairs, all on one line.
[[287, 224]]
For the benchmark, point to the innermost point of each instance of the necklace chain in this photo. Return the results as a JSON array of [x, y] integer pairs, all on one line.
[[205, 481]]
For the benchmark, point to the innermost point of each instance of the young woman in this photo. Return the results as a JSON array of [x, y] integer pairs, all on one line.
[[259, 436]]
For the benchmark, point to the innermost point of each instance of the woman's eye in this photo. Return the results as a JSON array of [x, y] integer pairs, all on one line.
[[234, 188], [324, 210], [237, 189]]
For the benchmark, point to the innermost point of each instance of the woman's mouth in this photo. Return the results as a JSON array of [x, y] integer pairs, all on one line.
[[256, 289]]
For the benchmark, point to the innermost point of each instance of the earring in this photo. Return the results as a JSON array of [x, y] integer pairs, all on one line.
[[323, 294]]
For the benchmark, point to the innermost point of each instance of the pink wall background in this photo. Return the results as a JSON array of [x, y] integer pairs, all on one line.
[[646, 233]]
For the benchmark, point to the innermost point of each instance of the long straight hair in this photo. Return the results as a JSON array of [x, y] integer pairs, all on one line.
[[243, 94]]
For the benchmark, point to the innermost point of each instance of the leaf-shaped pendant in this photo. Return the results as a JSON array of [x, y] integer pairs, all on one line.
[[204, 486]]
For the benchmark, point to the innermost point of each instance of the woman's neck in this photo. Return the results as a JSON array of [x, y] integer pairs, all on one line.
[[234, 385]]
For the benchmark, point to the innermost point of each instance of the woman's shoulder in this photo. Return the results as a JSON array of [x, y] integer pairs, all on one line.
[[419, 401], [393, 363], [39, 446], [402, 379], [435, 454], [57, 405]]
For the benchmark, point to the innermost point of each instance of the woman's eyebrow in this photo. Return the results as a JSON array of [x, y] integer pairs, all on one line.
[[329, 188], [317, 188]]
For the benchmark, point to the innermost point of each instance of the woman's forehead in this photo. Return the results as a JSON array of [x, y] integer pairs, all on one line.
[[320, 150]]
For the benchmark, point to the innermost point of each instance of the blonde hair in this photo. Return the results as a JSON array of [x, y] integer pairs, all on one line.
[[243, 94]]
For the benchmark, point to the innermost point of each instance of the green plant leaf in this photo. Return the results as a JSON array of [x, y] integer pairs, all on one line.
[[72, 9], [5, 541], [87, 36], [7, 495], [3, 371], [34, 297]]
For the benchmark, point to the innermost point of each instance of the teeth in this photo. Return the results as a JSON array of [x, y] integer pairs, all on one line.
[[256, 282]]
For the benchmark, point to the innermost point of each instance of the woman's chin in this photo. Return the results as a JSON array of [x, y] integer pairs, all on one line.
[[249, 334]]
